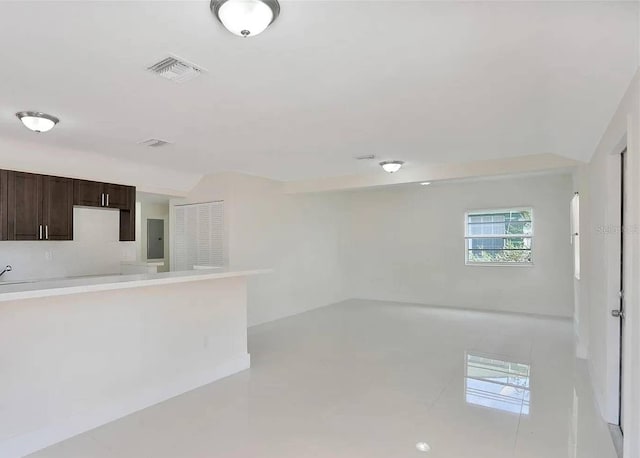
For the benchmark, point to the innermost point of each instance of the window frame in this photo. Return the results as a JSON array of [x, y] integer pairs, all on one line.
[[575, 234], [528, 208]]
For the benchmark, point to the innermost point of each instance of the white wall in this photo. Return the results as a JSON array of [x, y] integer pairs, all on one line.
[[406, 243], [581, 286], [72, 363], [414, 173], [403, 243], [598, 184], [95, 250], [39, 156], [298, 236]]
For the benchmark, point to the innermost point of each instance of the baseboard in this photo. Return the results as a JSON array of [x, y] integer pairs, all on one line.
[[32, 441], [466, 309], [599, 401]]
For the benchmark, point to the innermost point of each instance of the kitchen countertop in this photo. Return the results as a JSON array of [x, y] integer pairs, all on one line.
[[10, 291]]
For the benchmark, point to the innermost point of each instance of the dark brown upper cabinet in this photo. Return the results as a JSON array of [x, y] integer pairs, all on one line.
[[128, 216], [88, 193], [95, 194], [107, 195], [24, 206], [57, 207], [117, 196], [39, 207]]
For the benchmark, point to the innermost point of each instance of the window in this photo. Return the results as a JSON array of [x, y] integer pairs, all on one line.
[[502, 237], [575, 234]]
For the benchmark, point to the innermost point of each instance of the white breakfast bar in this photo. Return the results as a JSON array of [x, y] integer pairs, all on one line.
[[78, 353]]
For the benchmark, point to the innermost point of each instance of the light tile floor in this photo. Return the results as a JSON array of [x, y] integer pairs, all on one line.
[[372, 379]]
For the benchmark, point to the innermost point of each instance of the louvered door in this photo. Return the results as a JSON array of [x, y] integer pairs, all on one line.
[[198, 235]]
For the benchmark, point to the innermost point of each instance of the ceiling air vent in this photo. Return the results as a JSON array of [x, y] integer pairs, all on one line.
[[175, 69], [154, 143]]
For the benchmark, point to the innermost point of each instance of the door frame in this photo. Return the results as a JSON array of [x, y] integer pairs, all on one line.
[[622, 282], [623, 367]]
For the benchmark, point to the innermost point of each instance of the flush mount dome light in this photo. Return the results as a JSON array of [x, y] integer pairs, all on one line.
[[391, 166], [36, 121], [245, 17]]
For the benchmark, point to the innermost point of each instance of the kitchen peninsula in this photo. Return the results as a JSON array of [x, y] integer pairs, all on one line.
[[78, 353]]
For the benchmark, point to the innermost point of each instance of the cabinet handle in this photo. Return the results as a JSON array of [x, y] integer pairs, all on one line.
[[46, 232], [102, 199], [107, 200], [40, 235]]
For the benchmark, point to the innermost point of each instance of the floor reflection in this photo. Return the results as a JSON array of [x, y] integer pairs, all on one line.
[[497, 384]]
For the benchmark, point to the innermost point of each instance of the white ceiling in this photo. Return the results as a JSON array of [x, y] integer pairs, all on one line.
[[425, 82]]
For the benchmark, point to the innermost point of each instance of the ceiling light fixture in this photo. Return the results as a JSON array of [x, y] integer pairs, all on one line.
[[36, 121], [391, 166], [423, 447], [245, 17], [425, 183]]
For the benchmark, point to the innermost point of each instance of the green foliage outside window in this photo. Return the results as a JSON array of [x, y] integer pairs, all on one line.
[[497, 238]]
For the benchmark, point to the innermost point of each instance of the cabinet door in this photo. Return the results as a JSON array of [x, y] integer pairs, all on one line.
[[128, 217], [117, 196], [88, 193], [57, 208], [4, 178], [24, 199]]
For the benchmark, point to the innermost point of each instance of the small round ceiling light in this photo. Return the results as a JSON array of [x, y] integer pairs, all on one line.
[[423, 447], [36, 121], [425, 183], [391, 166], [245, 18]]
